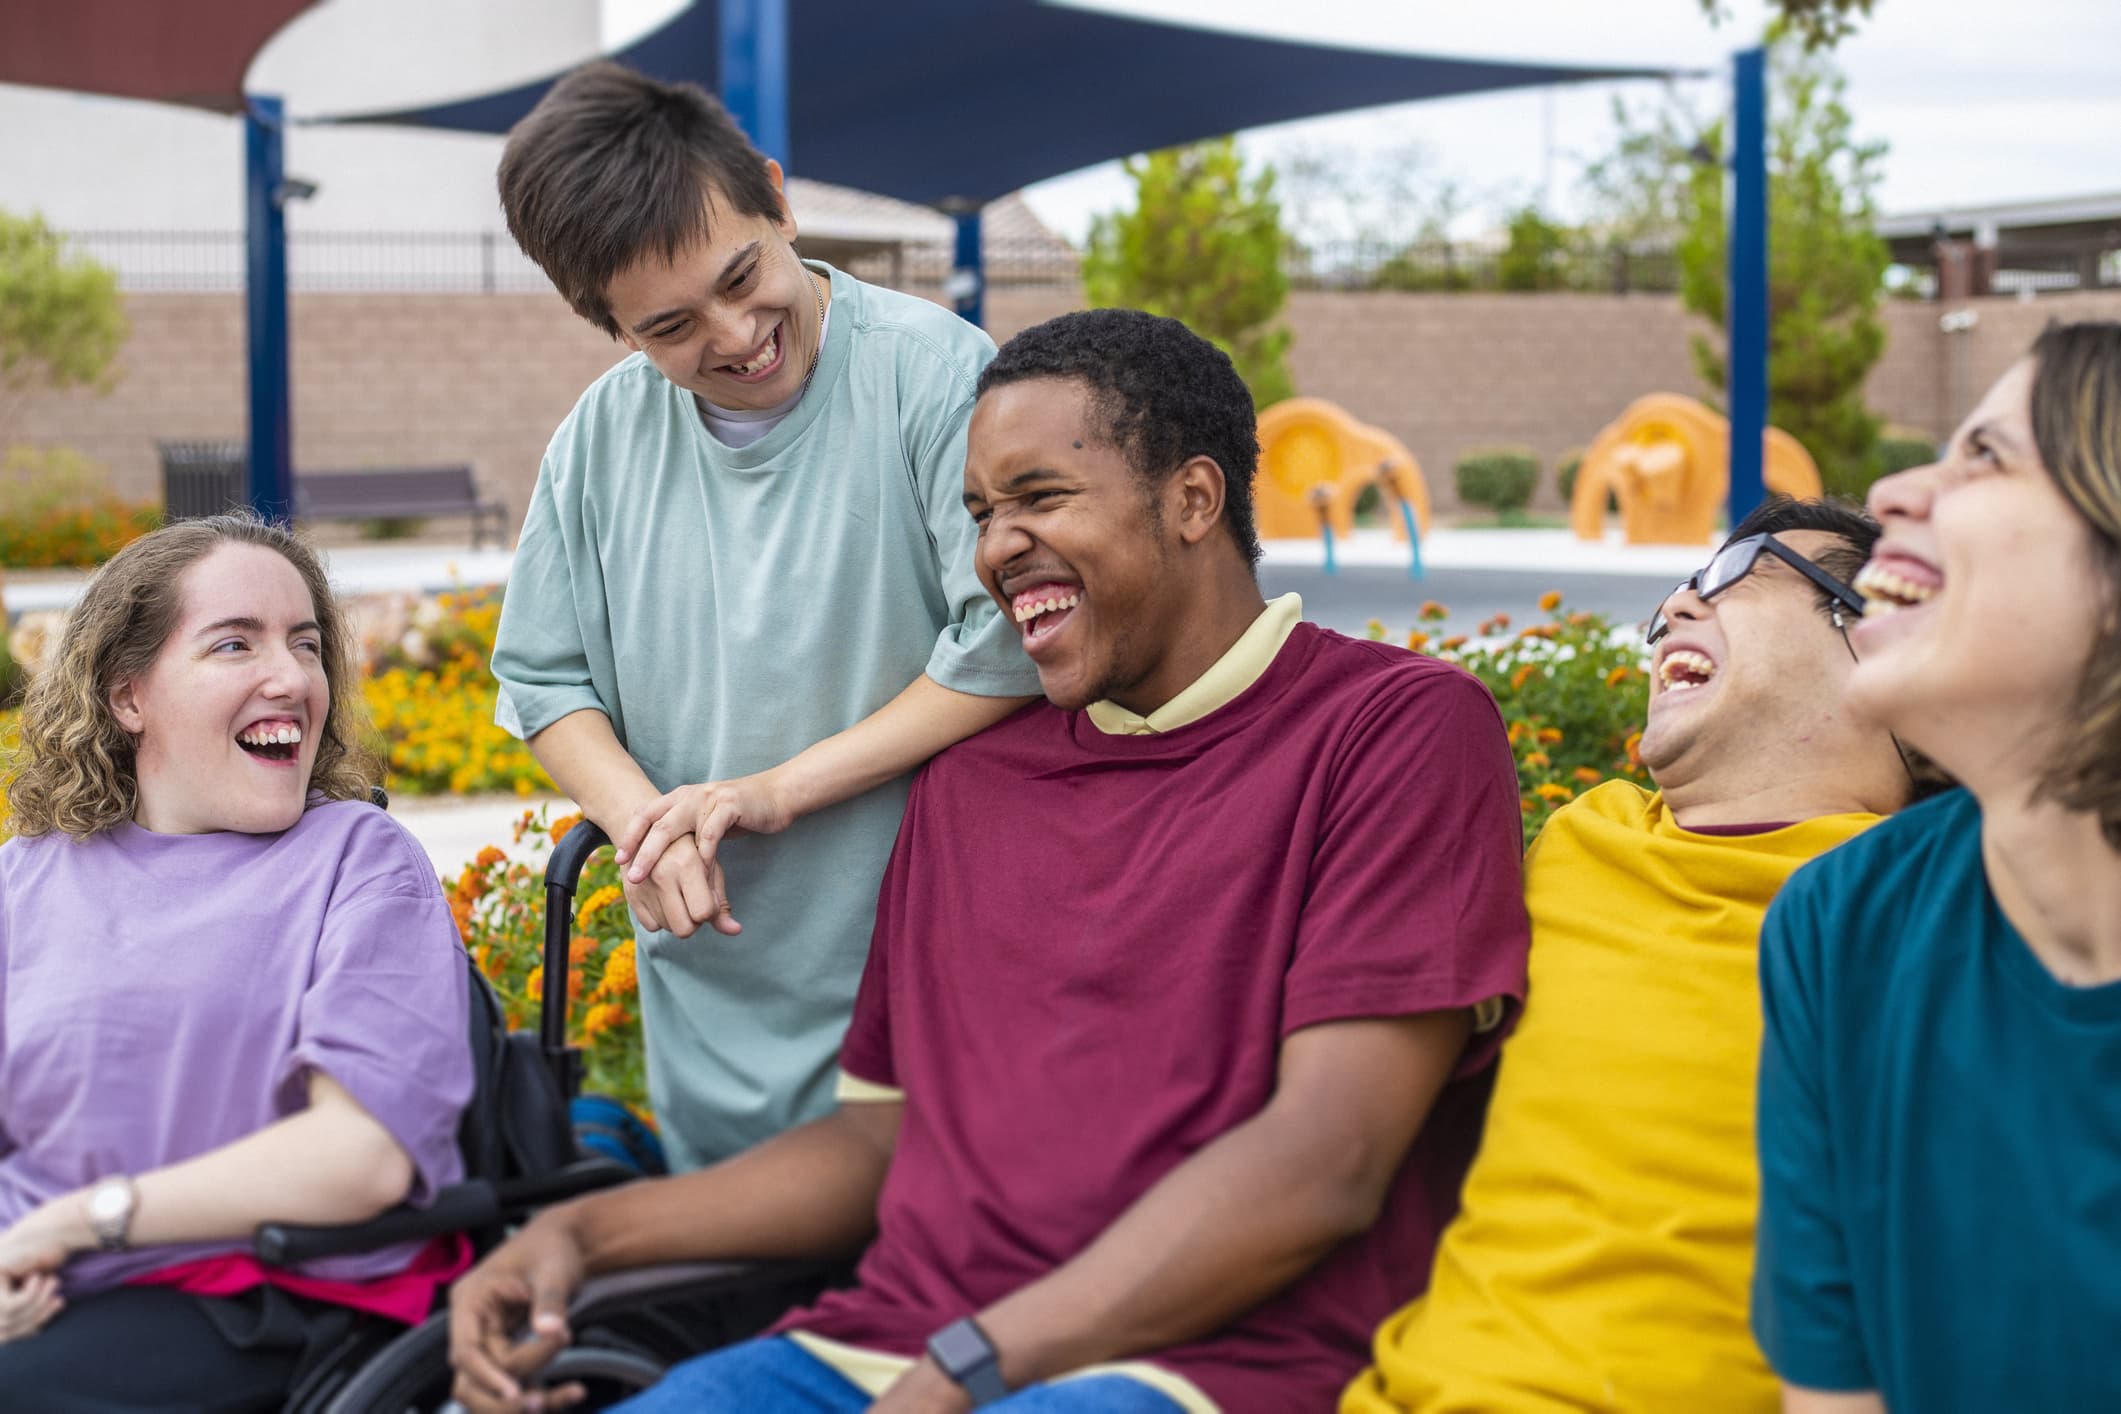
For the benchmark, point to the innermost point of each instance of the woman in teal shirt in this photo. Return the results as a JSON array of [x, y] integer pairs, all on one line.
[[1940, 1093]]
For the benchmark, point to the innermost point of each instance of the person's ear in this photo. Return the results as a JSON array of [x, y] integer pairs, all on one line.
[[125, 706], [1196, 494], [786, 220]]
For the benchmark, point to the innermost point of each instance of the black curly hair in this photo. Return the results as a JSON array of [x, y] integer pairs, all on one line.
[[1164, 394]]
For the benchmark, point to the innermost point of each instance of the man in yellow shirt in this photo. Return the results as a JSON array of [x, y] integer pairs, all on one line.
[[1602, 1255]]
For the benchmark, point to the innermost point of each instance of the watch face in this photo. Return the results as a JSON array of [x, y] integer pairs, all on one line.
[[958, 1347], [108, 1203]]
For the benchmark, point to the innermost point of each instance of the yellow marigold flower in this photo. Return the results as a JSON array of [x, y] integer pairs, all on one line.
[[1417, 640], [1452, 644], [1550, 601], [1375, 628], [1537, 759], [596, 903], [534, 984], [620, 975], [1588, 775], [1634, 748], [1618, 676], [1551, 791], [561, 826], [602, 1017], [1550, 736], [1523, 675], [1432, 611]]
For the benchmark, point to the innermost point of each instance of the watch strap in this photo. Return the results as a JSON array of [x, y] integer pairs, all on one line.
[[963, 1352]]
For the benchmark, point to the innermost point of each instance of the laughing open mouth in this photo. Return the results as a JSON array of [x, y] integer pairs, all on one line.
[[764, 359], [1040, 611], [1684, 668], [1887, 591], [277, 740]]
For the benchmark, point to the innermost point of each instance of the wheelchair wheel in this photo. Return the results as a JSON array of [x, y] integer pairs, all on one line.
[[411, 1375]]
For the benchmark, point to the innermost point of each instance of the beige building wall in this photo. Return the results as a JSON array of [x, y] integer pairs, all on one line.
[[383, 380]]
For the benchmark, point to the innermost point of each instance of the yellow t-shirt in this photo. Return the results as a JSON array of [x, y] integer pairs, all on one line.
[[1603, 1253]]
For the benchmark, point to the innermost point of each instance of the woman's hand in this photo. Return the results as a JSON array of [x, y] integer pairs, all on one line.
[[673, 880], [44, 1237], [26, 1305]]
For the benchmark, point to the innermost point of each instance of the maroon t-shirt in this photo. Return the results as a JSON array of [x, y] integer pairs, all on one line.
[[1089, 948]]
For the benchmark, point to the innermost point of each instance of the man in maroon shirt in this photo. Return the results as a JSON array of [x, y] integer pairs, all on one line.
[[1161, 1080]]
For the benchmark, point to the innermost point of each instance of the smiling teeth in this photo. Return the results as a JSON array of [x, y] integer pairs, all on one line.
[[1027, 612], [1687, 658], [773, 346], [1887, 593], [277, 736]]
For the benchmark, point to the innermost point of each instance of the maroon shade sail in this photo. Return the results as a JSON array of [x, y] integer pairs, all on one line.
[[193, 52]]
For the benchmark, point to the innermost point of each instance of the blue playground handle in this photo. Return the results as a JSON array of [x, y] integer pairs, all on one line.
[[1325, 530], [1406, 517]]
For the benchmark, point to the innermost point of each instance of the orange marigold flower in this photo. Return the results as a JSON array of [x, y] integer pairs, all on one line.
[[1432, 611], [621, 977], [1550, 736], [602, 1017], [1527, 804], [1579, 620], [1417, 640], [1551, 791], [524, 822], [490, 856], [1518, 732], [574, 984], [1453, 643], [534, 984], [1618, 676], [1537, 759], [1501, 622], [1550, 601], [561, 826], [596, 903], [471, 883], [581, 948], [1634, 748], [1588, 775], [1523, 675]]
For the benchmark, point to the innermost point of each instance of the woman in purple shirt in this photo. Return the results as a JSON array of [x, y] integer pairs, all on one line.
[[230, 991]]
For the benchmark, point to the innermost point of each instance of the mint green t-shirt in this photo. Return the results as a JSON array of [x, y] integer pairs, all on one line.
[[726, 608]]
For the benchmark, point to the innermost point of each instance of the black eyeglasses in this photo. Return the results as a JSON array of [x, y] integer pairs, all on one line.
[[1736, 560]]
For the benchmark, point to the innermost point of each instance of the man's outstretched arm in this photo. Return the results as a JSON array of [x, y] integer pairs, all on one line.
[[1241, 1219], [810, 1192]]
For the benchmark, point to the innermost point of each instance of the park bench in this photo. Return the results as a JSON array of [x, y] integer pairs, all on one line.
[[205, 478], [400, 493]]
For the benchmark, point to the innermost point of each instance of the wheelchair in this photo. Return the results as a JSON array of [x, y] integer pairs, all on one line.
[[520, 1154]]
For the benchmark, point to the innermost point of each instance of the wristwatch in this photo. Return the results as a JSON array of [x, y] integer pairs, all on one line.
[[110, 1211], [968, 1357]]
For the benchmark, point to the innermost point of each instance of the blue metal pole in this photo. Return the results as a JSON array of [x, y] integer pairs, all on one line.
[[754, 68], [1748, 321], [1413, 525], [271, 472], [968, 276]]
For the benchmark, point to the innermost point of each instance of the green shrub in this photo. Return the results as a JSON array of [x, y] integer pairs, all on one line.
[[1565, 475], [57, 512], [1500, 478]]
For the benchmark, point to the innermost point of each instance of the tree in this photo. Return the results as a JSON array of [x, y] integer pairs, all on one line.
[[61, 323], [1204, 245], [1817, 24], [1826, 267]]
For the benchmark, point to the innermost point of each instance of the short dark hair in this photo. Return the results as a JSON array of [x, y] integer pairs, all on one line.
[[611, 166], [1164, 395], [1846, 521]]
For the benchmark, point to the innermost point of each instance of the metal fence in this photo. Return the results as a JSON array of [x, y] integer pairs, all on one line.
[[1446, 266]]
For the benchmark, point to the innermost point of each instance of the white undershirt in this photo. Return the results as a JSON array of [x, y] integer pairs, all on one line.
[[740, 427]]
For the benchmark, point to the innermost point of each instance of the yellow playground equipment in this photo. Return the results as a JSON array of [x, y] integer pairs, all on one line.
[[1314, 462], [1666, 460]]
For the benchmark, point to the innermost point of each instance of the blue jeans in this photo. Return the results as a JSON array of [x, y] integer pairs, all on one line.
[[777, 1376]]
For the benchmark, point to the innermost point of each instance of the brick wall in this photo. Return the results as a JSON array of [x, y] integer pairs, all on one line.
[[402, 379]]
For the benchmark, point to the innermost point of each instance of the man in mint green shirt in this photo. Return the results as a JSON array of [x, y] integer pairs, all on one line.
[[743, 606]]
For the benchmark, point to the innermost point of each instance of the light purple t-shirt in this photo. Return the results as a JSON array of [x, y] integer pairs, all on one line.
[[163, 995]]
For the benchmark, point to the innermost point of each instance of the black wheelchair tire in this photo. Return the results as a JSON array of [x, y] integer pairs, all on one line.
[[411, 1375]]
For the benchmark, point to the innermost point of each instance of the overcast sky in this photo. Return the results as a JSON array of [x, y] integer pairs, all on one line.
[[1979, 103]]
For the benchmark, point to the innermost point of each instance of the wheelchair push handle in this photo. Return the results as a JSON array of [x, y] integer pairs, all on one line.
[[563, 876]]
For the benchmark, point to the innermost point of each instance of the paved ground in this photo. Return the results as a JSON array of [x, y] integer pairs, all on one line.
[[1475, 573]]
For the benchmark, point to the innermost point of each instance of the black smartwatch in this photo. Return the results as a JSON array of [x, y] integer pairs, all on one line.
[[968, 1357]]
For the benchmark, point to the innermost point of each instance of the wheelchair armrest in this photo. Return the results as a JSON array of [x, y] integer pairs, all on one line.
[[621, 1292], [460, 1207]]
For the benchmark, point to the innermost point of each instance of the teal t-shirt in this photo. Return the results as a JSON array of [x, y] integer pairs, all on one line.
[[726, 608], [1940, 1138]]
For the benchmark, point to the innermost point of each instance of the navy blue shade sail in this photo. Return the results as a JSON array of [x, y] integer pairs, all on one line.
[[957, 102]]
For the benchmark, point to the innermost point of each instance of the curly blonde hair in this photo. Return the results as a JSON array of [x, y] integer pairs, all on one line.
[[74, 772], [2076, 416]]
